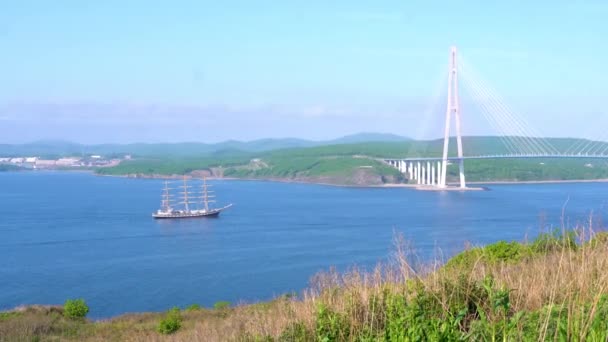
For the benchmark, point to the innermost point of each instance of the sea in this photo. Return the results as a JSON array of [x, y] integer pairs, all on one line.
[[77, 235]]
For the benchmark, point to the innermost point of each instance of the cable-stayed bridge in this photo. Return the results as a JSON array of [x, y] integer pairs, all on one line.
[[519, 139]]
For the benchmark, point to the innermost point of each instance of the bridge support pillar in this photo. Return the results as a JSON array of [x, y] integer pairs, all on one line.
[[461, 170], [410, 170], [438, 174], [433, 175], [418, 172], [423, 176], [443, 174], [428, 173]]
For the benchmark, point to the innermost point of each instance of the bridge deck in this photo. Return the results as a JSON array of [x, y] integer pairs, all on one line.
[[506, 156]]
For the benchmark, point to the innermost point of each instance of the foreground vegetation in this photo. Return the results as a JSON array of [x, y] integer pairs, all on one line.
[[554, 288]]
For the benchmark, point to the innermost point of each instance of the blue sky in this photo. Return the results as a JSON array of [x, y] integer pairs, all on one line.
[[125, 71]]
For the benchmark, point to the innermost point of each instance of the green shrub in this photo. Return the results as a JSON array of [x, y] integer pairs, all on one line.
[[420, 319], [9, 314], [501, 251], [599, 239], [464, 298], [330, 325], [376, 310], [221, 305], [465, 259], [171, 323], [555, 241], [193, 307], [395, 318], [75, 308], [598, 330]]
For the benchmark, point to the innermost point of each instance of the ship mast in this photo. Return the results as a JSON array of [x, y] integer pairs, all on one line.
[[206, 196], [165, 200], [185, 194]]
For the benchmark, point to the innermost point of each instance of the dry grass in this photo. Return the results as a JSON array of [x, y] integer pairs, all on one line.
[[563, 278]]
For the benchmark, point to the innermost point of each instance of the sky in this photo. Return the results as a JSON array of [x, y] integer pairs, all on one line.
[[168, 71]]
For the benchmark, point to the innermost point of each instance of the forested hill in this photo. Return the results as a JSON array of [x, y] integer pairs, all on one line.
[[358, 164], [64, 148]]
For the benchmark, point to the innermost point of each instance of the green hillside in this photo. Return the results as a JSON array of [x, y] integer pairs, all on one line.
[[360, 163]]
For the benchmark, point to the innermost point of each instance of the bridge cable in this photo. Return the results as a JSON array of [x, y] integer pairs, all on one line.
[[485, 111], [522, 146], [503, 126], [529, 135], [523, 126], [531, 144], [588, 147], [508, 122]]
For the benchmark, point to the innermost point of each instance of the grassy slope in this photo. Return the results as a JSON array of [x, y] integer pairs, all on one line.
[[551, 289], [343, 163]]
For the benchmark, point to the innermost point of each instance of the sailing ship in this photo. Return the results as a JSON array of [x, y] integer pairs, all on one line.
[[188, 202]]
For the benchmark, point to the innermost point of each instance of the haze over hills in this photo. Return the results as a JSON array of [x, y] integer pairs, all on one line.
[[376, 144], [58, 148]]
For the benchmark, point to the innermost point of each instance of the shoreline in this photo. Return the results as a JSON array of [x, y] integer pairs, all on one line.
[[304, 181], [386, 185]]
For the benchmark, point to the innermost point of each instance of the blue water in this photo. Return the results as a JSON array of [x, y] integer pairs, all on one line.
[[69, 235]]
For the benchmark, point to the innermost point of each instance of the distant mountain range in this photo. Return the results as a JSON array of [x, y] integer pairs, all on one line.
[[61, 148]]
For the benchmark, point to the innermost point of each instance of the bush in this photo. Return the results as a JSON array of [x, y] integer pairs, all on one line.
[[599, 239], [465, 259], [331, 326], [509, 252], [555, 241], [75, 308], [221, 305], [193, 307], [501, 251], [9, 314], [171, 323]]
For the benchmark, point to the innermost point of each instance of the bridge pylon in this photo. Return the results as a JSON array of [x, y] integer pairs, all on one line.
[[453, 109]]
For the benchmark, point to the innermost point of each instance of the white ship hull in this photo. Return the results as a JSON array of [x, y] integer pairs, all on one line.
[[188, 214]]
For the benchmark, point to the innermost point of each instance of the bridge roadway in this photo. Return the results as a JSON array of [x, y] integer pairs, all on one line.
[[503, 156]]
